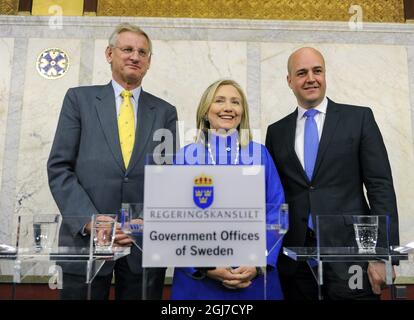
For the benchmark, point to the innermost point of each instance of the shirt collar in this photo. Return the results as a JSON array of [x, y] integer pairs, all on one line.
[[118, 90], [229, 139], [321, 108]]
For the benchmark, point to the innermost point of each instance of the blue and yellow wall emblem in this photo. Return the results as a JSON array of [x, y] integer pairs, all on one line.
[[52, 63], [203, 191]]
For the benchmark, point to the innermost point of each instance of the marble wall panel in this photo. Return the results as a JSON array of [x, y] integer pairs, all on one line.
[[6, 56], [42, 103]]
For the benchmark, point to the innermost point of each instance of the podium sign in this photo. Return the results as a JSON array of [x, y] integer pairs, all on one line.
[[204, 216]]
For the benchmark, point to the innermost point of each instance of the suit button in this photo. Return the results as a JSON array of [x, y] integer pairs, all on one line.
[[311, 188], [126, 179]]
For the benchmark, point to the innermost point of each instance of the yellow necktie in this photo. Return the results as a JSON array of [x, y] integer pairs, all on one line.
[[126, 127]]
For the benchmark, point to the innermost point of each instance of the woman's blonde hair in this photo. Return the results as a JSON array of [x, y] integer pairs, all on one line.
[[206, 101]]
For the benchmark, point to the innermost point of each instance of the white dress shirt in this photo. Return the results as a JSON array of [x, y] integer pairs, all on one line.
[[300, 127]]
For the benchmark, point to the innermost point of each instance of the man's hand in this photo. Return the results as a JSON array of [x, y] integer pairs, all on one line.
[[376, 275], [88, 226], [122, 239], [137, 221]]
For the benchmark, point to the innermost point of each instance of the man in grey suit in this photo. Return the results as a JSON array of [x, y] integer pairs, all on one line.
[[93, 169]]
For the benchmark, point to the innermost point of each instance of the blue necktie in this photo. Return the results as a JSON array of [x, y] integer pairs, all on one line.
[[311, 143]]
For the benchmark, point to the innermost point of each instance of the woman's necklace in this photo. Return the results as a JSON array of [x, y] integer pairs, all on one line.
[[236, 159]]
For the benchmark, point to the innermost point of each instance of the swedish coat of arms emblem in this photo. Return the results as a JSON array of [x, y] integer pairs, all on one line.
[[203, 191]]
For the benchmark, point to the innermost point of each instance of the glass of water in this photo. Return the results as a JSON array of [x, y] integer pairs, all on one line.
[[130, 213], [45, 229], [281, 218], [103, 232], [278, 225], [366, 233]]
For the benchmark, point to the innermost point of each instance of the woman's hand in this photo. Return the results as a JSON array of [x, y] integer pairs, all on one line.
[[245, 275], [237, 278]]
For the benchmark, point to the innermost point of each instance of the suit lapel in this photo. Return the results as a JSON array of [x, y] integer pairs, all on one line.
[[329, 127], [106, 109], [290, 136], [143, 132]]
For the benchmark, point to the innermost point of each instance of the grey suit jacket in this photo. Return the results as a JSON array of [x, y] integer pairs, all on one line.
[[86, 171]]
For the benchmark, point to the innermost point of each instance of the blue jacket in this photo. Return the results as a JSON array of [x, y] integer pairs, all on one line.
[[184, 285]]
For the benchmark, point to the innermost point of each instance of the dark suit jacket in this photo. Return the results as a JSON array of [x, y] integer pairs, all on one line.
[[351, 154], [86, 171]]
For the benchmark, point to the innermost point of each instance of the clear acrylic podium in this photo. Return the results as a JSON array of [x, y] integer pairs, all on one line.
[[36, 252], [342, 239], [275, 231], [133, 224]]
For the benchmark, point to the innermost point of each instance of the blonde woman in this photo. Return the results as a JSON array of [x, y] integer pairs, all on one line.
[[224, 138]]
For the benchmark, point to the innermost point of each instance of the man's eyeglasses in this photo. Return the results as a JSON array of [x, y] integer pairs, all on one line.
[[143, 53]]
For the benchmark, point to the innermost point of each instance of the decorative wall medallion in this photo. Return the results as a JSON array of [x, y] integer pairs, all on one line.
[[52, 63]]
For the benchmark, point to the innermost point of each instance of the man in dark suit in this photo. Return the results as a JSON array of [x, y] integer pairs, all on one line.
[[103, 138], [324, 165]]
